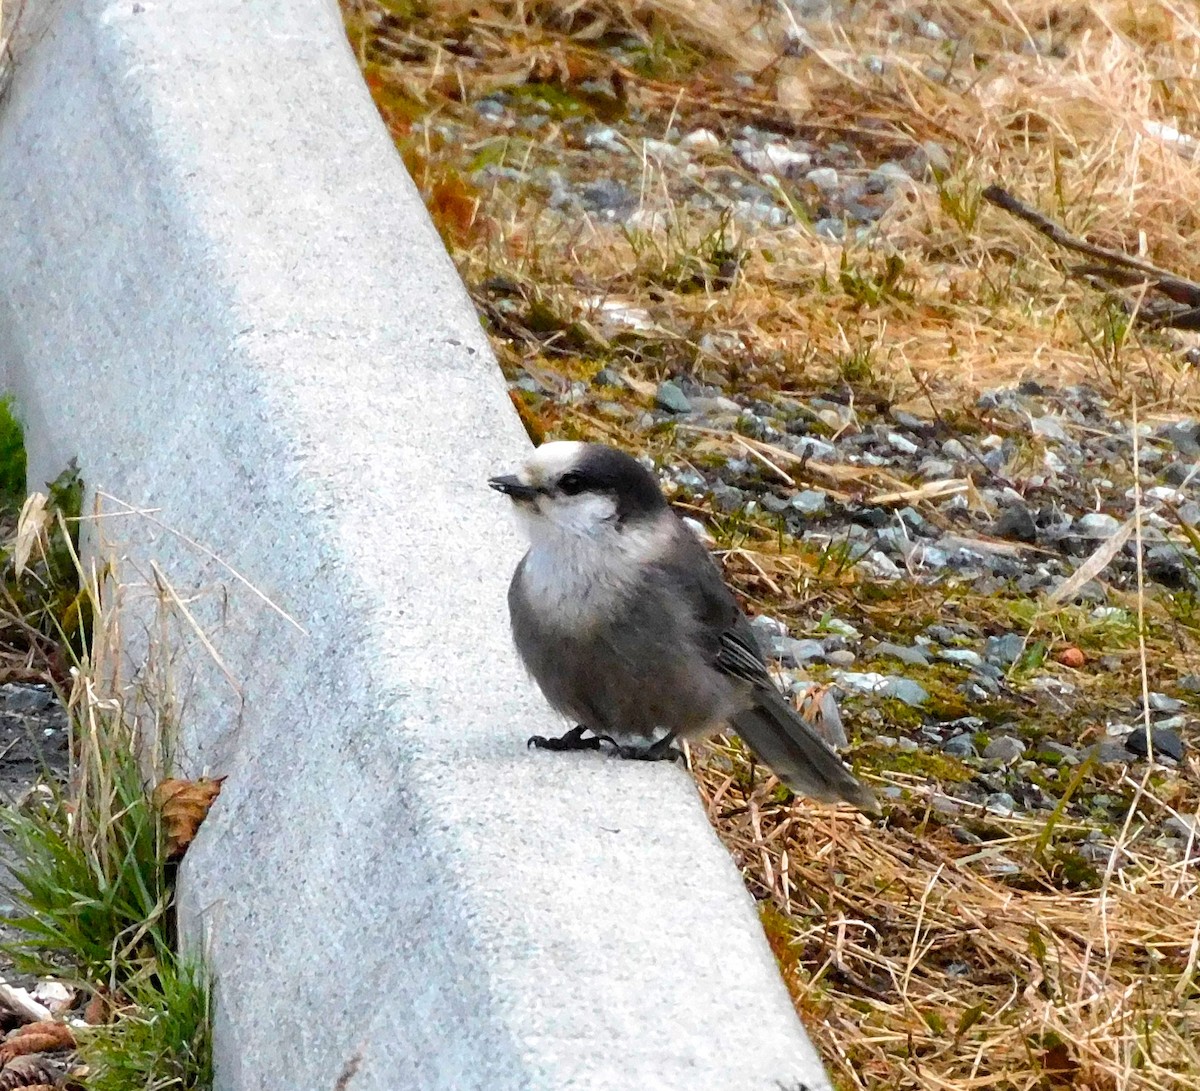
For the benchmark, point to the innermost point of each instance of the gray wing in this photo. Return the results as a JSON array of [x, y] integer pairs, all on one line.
[[724, 634], [770, 726]]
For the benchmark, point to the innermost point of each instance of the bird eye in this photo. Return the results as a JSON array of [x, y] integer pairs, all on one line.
[[571, 484]]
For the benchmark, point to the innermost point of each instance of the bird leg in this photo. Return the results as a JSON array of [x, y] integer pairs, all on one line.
[[662, 750], [572, 740]]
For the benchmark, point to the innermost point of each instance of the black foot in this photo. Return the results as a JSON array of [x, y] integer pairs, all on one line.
[[662, 750], [572, 740]]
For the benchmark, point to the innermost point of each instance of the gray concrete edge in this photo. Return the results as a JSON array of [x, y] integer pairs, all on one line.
[[222, 294]]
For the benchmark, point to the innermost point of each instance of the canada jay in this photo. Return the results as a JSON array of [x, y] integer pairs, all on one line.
[[623, 619]]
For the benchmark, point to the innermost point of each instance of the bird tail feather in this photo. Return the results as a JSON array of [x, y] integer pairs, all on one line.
[[798, 755]]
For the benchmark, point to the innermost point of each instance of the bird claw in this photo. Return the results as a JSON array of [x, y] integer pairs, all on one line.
[[662, 750], [574, 739]]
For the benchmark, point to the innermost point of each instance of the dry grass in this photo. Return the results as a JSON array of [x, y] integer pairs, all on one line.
[[952, 948]]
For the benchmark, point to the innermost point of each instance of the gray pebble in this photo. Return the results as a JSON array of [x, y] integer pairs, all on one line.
[[829, 228], [911, 693], [1098, 524], [914, 657], [935, 469], [960, 746], [902, 443], [1004, 749], [1185, 435], [825, 178], [805, 651], [1067, 755], [1004, 649], [1050, 428], [671, 398], [1165, 741], [1016, 522], [963, 656], [1160, 702], [1001, 803], [23, 698], [810, 502]]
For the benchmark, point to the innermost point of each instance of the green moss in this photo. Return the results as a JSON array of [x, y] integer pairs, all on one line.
[[12, 459], [919, 763]]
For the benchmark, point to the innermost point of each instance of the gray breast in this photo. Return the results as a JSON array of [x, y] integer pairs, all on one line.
[[630, 671]]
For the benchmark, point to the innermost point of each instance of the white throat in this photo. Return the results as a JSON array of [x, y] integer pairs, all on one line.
[[577, 574]]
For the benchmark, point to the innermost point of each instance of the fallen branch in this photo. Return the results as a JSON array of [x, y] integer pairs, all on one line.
[[1174, 287]]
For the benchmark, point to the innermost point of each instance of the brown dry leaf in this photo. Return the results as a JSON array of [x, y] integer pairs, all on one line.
[[36, 1038], [1059, 1066], [103, 1005], [184, 804]]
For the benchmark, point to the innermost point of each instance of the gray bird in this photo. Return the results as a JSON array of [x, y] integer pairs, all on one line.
[[622, 617]]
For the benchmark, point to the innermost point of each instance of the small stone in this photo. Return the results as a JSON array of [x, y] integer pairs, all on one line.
[[1004, 749], [671, 398], [812, 447], [829, 228], [1001, 803], [805, 651], [914, 657], [902, 443], [1167, 565], [911, 693], [1190, 683], [1164, 740], [606, 138], [843, 657], [1005, 649], [810, 502], [954, 448], [885, 176], [23, 698], [1049, 428], [1058, 752], [960, 746], [1016, 522], [1098, 524], [824, 178], [1183, 825], [1160, 702], [607, 195], [718, 406], [962, 656], [1189, 513], [1107, 752], [701, 140], [936, 469], [1185, 435]]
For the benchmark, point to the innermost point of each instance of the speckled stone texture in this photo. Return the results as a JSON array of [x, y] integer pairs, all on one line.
[[220, 291]]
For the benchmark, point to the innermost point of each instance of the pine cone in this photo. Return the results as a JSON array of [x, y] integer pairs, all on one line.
[[28, 1072], [36, 1038]]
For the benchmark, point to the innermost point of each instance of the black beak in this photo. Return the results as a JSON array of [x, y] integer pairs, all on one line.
[[512, 488]]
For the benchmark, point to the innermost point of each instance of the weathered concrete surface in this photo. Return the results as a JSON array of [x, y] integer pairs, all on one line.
[[218, 288]]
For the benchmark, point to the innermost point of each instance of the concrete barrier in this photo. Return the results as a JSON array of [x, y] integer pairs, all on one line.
[[219, 290]]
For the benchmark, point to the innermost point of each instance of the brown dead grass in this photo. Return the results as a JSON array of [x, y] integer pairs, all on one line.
[[917, 961]]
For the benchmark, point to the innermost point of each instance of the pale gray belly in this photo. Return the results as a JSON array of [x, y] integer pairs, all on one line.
[[633, 673]]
